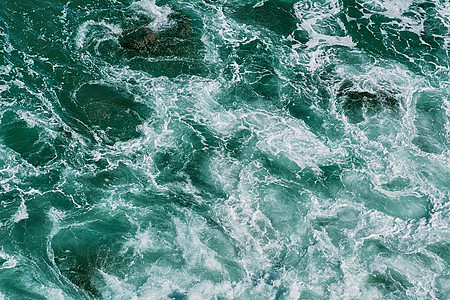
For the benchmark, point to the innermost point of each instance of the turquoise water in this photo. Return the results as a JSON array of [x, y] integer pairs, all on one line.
[[272, 150]]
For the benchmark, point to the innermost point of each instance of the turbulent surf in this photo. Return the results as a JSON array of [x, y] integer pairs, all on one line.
[[222, 149]]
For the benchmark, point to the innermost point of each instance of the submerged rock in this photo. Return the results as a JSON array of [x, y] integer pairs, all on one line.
[[178, 296], [108, 111], [173, 39], [371, 98], [140, 40], [82, 254], [356, 100]]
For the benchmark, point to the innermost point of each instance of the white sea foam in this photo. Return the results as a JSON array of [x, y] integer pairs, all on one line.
[[117, 289], [160, 14], [21, 213], [195, 251], [3, 88], [96, 32], [314, 235], [311, 16], [244, 214], [10, 261]]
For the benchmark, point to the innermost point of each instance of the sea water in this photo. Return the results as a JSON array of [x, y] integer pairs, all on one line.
[[295, 150]]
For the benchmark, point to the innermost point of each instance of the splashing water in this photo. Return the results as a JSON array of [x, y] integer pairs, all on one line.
[[286, 150]]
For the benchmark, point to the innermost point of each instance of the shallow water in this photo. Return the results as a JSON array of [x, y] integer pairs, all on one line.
[[283, 150]]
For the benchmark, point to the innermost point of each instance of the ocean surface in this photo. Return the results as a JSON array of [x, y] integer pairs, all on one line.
[[240, 150]]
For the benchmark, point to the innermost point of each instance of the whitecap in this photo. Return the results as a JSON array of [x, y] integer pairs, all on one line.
[[160, 14], [21, 213]]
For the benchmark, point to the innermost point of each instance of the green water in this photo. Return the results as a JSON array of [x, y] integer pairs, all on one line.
[[276, 150]]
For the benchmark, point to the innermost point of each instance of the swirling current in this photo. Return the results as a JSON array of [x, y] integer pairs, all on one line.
[[224, 149]]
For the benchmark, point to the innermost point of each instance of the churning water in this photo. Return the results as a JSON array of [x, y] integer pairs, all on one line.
[[246, 149]]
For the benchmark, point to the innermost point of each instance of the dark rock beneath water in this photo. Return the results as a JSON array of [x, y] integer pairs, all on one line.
[[141, 40], [355, 101], [177, 296], [108, 111], [82, 253], [174, 39], [370, 98]]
